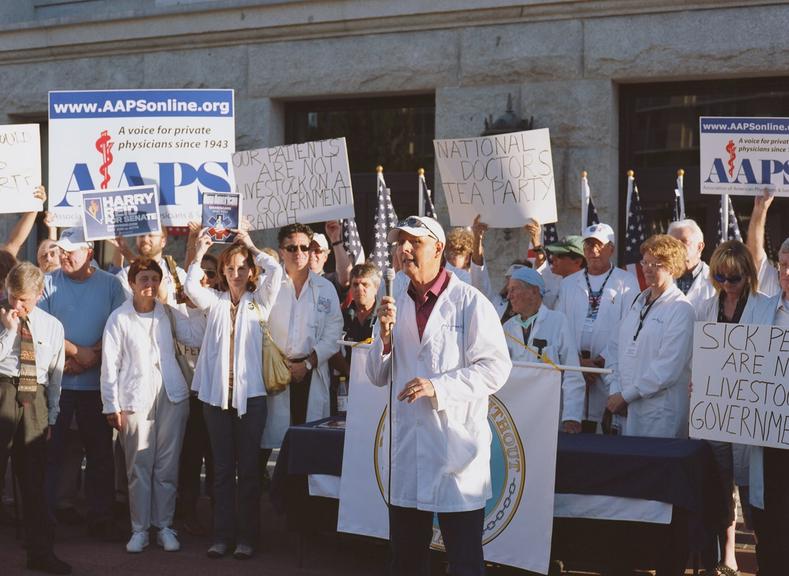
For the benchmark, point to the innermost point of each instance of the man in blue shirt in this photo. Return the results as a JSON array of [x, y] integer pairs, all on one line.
[[82, 298]]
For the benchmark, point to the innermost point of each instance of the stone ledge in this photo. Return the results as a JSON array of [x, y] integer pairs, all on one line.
[[138, 33]]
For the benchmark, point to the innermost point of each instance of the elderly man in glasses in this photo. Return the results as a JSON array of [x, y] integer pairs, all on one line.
[[442, 349], [306, 323]]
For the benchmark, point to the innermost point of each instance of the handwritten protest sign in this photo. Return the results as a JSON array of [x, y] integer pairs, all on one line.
[[308, 182], [221, 216], [507, 178], [122, 212], [743, 156], [740, 384], [179, 140], [20, 168]]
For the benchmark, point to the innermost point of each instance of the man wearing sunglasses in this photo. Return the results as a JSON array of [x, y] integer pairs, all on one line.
[[442, 349], [306, 324]]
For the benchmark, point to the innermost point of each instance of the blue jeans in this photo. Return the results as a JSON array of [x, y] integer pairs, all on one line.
[[235, 445], [96, 436]]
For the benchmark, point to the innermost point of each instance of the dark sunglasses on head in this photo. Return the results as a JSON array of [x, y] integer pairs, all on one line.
[[292, 248], [209, 273], [722, 279], [414, 222]]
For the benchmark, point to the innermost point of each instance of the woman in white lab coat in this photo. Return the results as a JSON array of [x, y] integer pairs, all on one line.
[[537, 332], [735, 279], [650, 357], [229, 382]]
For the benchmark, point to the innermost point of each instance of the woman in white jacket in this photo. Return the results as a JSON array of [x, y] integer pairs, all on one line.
[[735, 280], [144, 395], [650, 356], [229, 381]]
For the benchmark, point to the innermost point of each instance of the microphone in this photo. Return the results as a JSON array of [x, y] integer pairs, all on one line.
[[389, 275]]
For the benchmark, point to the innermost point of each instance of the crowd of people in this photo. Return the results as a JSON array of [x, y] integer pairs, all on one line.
[[154, 372]]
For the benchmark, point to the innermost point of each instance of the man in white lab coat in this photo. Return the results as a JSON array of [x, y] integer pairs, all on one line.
[[538, 334], [444, 356], [695, 281], [595, 300]]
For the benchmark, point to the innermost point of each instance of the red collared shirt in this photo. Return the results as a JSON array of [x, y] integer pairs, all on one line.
[[424, 305]]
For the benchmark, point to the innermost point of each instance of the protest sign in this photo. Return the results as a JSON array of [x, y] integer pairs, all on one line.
[[122, 212], [740, 384], [744, 156], [20, 168], [523, 418], [308, 182], [179, 140], [506, 179], [221, 216]]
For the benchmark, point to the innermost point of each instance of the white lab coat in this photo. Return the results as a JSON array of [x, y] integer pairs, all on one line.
[[620, 290], [552, 284], [701, 289], [213, 364], [326, 326], [552, 327], [480, 279], [653, 373], [440, 453], [126, 371]]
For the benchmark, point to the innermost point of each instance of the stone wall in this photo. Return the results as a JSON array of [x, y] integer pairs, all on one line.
[[562, 62]]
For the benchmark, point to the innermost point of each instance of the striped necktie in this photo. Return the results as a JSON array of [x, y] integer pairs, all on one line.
[[26, 390]]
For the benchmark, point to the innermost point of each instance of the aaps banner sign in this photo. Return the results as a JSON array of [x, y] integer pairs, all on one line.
[[181, 141], [744, 156]]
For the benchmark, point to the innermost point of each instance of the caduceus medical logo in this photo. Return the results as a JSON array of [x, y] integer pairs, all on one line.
[[507, 471], [731, 148], [104, 144]]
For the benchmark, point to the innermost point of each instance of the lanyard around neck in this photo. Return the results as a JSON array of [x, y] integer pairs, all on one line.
[[595, 297]]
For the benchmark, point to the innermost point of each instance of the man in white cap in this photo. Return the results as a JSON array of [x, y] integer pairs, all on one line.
[[538, 334], [695, 282], [595, 300], [442, 348], [82, 297]]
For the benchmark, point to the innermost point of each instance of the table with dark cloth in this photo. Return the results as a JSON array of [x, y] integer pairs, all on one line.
[[678, 472]]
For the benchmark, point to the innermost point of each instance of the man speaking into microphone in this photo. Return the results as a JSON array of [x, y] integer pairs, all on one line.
[[442, 349]]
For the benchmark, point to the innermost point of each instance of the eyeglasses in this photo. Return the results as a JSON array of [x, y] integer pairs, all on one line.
[[722, 279], [414, 222], [293, 248], [651, 265], [209, 273]]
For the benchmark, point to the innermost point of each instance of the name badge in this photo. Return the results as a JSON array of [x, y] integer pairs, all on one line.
[[631, 349], [324, 305]]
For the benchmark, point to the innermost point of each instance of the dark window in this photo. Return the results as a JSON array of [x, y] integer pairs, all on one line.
[[659, 133], [396, 133]]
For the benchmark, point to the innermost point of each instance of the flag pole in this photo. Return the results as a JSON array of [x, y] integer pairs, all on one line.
[[585, 194], [631, 178], [681, 188], [421, 173], [724, 217]]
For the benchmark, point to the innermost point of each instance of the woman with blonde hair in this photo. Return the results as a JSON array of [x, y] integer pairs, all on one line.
[[651, 355], [737, 300], [229, 381]]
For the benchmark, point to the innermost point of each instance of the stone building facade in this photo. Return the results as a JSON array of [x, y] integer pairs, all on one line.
[[564, 62]]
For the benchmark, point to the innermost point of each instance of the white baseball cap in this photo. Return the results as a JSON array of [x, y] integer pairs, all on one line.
[[321, 241], [602, 232], [418, 226], [72, 239]]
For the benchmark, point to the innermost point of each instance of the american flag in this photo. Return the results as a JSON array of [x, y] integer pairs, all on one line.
[[427, 202], [385, 220], [588, 210], [351, 240], [732, 227], [635, 231], [549, 234]]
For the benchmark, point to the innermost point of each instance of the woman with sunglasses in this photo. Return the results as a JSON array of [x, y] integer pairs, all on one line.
[[651, 355], [735, 279], [229, 382]]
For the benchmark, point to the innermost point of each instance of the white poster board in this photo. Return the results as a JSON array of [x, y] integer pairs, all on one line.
[[308, 182], [519, 517], [740, 384], [744, 156], [182, 141], [20, 168], [507, 179]]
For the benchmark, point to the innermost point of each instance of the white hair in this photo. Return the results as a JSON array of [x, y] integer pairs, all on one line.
[[784, 247], [689, 224]]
